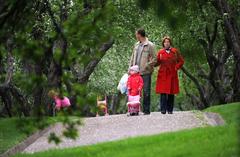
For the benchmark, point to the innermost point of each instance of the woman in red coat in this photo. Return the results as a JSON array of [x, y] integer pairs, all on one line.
[[170, 61]]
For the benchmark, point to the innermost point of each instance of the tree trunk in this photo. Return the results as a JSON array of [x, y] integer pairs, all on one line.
[[201, 91], [216, 64], [24, 106], [232, 31], [7, 100]]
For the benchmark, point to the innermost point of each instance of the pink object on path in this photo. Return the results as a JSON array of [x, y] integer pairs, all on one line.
[[135, 98], [134, 105], [65, 102]]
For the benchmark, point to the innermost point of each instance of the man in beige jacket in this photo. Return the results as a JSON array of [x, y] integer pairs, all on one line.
[[145, 57]]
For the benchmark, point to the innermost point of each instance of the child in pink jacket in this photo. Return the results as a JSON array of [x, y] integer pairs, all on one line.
[[60, 102]]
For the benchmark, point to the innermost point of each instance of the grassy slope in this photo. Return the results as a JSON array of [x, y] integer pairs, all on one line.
[[199, 142], [13, 130], [9, 135]]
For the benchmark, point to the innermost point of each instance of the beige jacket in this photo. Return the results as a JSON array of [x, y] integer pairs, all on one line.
[[148, 57]]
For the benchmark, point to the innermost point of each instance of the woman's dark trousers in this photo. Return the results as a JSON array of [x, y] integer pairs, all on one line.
[[166, 103]]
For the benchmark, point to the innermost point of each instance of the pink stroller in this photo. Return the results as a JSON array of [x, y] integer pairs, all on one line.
[[134, 105]]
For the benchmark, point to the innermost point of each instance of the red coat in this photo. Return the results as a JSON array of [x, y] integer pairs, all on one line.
[[134, 84], [167, 78]]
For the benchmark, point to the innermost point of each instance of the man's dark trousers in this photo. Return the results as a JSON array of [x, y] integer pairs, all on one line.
[[146, 93]]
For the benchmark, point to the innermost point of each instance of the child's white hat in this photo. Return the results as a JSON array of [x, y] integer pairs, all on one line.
[[134, 68]]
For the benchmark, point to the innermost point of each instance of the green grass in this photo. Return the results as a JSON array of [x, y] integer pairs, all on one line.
[[14, 130], [229, 112], [9, 135], [221, 141]]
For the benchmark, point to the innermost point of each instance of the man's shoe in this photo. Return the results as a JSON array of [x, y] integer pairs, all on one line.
[[163, 112], [170, 112], [146, 113]]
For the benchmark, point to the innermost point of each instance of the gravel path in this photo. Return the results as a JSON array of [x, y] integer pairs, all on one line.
[[109, 128]]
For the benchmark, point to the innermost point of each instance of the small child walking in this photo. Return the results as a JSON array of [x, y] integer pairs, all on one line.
[[135, 81], [134, 85]]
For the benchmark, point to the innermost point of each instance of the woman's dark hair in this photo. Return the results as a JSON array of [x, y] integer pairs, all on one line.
[[141, 31]]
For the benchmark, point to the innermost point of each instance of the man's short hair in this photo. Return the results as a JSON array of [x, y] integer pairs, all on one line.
[[141, 31]]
